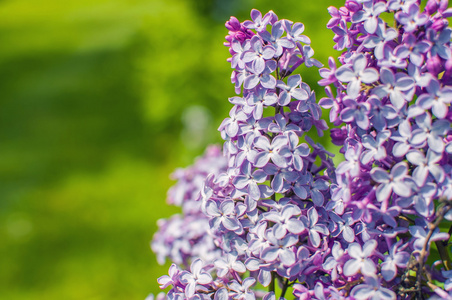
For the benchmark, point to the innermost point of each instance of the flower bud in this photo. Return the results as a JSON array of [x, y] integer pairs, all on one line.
[[432, 6], [434, 65], [233, 24]]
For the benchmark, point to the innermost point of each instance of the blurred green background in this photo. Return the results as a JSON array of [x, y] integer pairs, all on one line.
[[100, 101]]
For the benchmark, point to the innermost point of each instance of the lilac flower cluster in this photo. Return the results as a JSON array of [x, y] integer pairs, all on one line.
[[393, 92], [185, 236], [278, 213]]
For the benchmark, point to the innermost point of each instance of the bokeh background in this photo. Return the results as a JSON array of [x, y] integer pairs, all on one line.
[[100, 101]]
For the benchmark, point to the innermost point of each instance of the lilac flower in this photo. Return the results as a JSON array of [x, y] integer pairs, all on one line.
[[412, 18], [343, 225], [231, 125], [228, 264], [258, 54], [281, 177], [436, 99], [239, 48], [369, 15], [420, 237], [270, 151], [394, 259], [380, 40], [343, 37], [241, 291], [375, 149], [395, 182], [372, 290], [171, 279], [412, 48], [281, 126], [275, 38], [382, 115], [281, 249], [195, 277], [294, 151], [352, 163], [259, 23], [421, 79], [250, 180], [265, 270], [284, 221], [307, 53], [390, 60], [223, 214], [358, 112], [359, 73], [259, 99], [332, 262], [432, 133], [328, 75], [314, 227], [264, 78], [440, 42], [402, 138], [294, 32], [398, 87], [360, 259], [425, 165], [291, 90]]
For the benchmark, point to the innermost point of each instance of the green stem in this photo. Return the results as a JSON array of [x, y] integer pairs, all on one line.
[[271, 287], [284, 288]]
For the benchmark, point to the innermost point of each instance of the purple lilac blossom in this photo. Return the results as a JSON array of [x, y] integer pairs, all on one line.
[[277, 210]]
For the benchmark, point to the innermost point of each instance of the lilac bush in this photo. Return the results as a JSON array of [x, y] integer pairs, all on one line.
[[273, 216]]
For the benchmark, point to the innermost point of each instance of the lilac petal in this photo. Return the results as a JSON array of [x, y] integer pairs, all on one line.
[[204, 278], [265, 277], [239, 267], [353, 88], [294, 80], [284, 98], [196, 266], [345, 74], [388, 271], [313, 216], [359, 63], [212, 208], [363, 292], [369, 75], [368, 267], [221, 294], [227, 207], [317, 197], [351, 267], [190, 289], [248, 282], [251, 82], [383, 192], [348, 234], [287, 257], [261, 159], [314, 237], [399, 170], [277, 183], [295, 226], [379, 175], [254, 191], [269, 254], [231, 224], [279, 141], [300, 191]]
